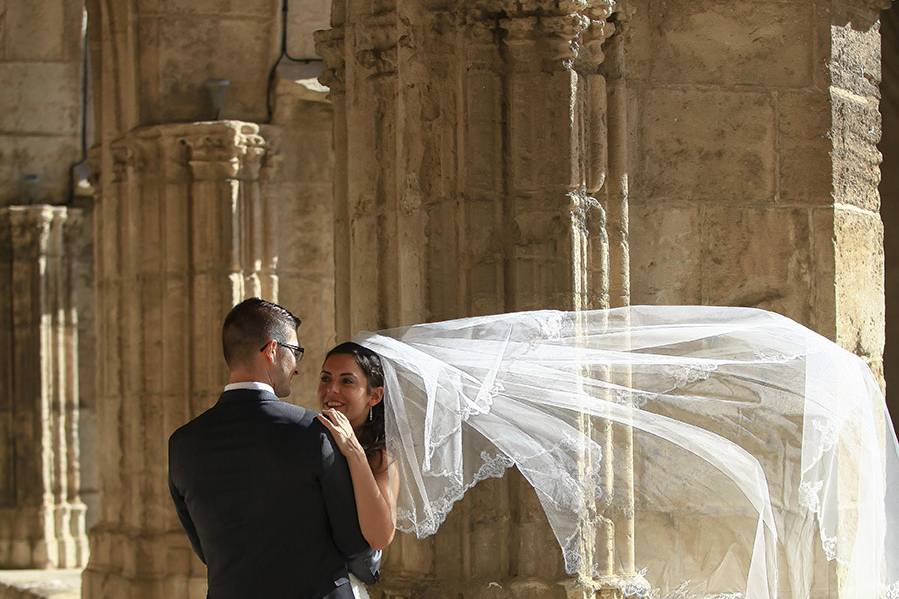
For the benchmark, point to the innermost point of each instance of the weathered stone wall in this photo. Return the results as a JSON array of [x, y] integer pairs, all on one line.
[[40, 99], [755, 178], [889, 193], [151, 61], [304, 17]]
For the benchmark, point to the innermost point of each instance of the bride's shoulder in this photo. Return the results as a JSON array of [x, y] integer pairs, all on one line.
[[380, 461]]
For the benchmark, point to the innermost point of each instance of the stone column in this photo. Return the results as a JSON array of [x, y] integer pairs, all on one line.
[[180, 238], [41, 513], [298, 182], [470, 178]]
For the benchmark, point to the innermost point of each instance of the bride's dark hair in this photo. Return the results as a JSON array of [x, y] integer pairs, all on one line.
[[371, 435]]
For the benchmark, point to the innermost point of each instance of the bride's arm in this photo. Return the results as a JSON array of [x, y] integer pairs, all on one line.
[[375, 492]]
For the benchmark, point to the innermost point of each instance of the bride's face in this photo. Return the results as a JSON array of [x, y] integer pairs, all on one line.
[[342, 386]]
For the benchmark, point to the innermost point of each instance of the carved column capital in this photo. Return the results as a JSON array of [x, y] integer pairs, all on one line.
[[376, 45], [31, 226], [562, 36], [224, 150], [591, 54], [520, 37], [554, 34], [123, 159]]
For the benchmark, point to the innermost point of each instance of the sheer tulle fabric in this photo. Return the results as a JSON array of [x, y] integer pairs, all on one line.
[[762, 453]]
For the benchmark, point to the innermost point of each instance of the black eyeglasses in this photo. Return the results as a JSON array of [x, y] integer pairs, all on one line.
[[297, 350]]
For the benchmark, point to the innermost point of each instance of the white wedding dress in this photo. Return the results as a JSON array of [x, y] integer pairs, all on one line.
[[744, 416]]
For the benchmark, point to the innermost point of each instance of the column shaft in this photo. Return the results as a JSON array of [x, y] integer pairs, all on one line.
[[42, 517], [471, 166], [180, 238]]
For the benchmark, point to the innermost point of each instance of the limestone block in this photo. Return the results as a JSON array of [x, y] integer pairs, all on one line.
[[655, 544], [40, 98], [858, 281], [304, 17], [533, 128], [758, 257], [42, 30], [48, 157], [311, 160], [236, 8], [665, 242], [803, 128], [688, 134], [641, 46], [173, 89], [722, 42], [854, 63], [856, 159]]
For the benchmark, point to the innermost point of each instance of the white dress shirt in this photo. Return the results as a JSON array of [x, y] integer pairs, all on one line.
[[250, 385]]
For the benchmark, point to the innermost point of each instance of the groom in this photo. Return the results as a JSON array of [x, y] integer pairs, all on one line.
[[261, 490]]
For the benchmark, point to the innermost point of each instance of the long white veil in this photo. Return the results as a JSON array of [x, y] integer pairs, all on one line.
[[735, 420]]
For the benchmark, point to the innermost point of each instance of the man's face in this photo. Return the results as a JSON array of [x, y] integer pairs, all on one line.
[[285, 366]]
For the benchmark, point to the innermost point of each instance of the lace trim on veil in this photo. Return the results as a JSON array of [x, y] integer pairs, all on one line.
[[408, 520]]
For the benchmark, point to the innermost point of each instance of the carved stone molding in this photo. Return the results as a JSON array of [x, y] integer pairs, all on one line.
[[520, 35], [376, 44], [556, 33], [591, 54], [329, 43], [272, 158], [224, 150], [122, 160], [562, 36]]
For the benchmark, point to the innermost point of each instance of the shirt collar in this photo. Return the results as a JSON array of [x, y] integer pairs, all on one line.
[[255, 385]]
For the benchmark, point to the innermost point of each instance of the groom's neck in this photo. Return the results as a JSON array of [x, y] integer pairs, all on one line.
[[246, 376]]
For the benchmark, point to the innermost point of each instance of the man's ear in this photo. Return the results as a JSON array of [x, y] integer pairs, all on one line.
[[269, 352]]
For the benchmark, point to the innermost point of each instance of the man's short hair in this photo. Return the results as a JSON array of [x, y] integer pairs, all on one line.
[[250, 325]]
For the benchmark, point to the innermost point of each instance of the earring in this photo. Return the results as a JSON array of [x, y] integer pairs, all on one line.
[[370, 417]]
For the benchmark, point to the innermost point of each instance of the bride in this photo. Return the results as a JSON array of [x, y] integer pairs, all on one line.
[[759, 449], [351, 393]]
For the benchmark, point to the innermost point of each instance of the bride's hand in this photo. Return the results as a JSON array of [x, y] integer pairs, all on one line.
[[342, 431]]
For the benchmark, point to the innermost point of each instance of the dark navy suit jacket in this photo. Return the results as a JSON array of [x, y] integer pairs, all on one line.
[[266, 499]]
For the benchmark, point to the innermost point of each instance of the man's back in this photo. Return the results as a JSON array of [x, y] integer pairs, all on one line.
[[265, 498]]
